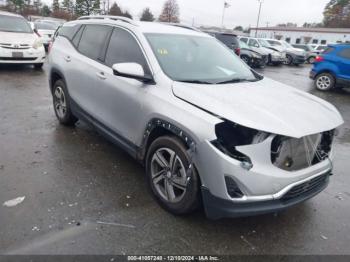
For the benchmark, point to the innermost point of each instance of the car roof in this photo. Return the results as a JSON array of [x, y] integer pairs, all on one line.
[[144, 27], [10, 14]]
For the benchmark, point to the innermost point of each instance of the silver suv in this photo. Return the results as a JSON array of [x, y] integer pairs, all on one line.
[[209, 130]]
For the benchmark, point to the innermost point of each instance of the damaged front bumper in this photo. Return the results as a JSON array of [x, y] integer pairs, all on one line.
[[233, 188]]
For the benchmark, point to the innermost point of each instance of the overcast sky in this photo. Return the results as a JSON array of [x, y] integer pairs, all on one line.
[[241, 12]]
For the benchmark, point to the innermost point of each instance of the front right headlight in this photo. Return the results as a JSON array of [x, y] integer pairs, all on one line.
[[230, 135], [37, 43]]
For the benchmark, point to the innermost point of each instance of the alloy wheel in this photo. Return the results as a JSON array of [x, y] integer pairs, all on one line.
[[60, 102], [169, 175], [323, 82]]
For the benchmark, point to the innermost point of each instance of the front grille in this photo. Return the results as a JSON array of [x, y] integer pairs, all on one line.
[[292, 154], [14, 46], [232, 188], [18, 58], [306, 188]]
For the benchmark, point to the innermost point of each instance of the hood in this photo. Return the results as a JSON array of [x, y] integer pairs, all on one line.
[[278, 48], [296, 51], [261, 50], [265, 105], [18, 38]]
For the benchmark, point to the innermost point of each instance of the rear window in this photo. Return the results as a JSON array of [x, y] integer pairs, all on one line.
[[14, 24], [345, 53], [328, 50], [44, 26], [229, 40], [68, 31]]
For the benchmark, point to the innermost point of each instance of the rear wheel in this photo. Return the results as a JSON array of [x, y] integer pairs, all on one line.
[[173, 182], [61, 104], [324, 82], [311, 60]]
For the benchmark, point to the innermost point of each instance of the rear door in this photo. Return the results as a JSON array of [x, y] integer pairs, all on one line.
[[344, 63], [85, 65]]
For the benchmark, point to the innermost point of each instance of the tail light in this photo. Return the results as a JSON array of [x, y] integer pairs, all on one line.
[[238, 51], [319, 59]]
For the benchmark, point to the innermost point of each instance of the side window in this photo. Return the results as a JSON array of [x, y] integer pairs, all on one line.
[[253, 42], [345, 53], [68, 31], [77, 36], [245, 40], [93, 41], [123, 48]]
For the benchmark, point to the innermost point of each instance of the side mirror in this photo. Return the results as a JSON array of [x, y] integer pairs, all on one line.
[[131, 70]]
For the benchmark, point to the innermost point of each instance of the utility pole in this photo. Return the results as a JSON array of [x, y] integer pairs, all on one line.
[[226, 5], [257, 23]]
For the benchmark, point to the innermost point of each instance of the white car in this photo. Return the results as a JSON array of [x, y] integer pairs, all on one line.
[[46, 31], [19, 44]]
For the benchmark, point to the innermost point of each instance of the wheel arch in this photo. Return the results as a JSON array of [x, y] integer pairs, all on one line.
[[158, 127], [55, 75]]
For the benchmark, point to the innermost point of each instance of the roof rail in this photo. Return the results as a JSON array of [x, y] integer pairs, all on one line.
[[109, 17], [183, 26]]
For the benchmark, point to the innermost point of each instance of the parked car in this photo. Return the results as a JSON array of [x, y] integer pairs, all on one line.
[[310, 52], [332, 68], [294, 56], [46, 31], [251, 57], [19, 44], [320, 48], [207, 128], [274, 56], [230, 40]]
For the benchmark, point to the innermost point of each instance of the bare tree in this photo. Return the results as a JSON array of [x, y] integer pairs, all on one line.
[[170, 12]]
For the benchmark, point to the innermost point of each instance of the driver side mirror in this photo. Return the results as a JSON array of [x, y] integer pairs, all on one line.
[[132, 70]]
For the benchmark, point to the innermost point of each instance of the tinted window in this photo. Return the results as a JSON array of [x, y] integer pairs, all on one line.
[[68, 31], [123, 48], [328, 50], [245, 40], [93, 41], [345, 53], [14, 24], [229, 40], [77, 36]]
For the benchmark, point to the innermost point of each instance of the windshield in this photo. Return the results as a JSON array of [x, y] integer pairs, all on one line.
[[264, 43], [287, 45], [44, 26], [14, 24], [274, 43], [197, 59]]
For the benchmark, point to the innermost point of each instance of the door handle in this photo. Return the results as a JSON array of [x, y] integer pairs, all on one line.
[[101, 75], [67, 58]]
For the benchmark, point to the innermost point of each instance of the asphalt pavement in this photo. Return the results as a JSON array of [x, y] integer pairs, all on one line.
[[84, 195]]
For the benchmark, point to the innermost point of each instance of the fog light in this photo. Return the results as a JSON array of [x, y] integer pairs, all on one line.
[[232, 188]]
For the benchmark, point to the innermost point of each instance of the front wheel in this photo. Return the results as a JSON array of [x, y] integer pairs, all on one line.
[[172, 178], [246, 59], [61, 104], [289, 60], [324, 82]]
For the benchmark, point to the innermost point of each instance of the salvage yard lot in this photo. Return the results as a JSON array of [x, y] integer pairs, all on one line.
[[85, 196]]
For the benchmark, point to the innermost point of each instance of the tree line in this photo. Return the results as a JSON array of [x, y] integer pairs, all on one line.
[[72, 9]]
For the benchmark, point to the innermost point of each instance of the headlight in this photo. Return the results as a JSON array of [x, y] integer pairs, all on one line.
[[229, 135], [37, 43]]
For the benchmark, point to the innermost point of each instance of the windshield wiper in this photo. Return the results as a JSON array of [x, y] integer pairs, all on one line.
[[196, 82], [236, 80]]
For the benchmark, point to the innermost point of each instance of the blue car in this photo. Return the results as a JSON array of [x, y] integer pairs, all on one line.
[[332, 68]]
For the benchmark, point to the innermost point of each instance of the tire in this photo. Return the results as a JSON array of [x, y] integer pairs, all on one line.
[[61, 104], [324, 82], [182, 194], [246, 59], [289, 60], [38, 66], [311, 59]]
